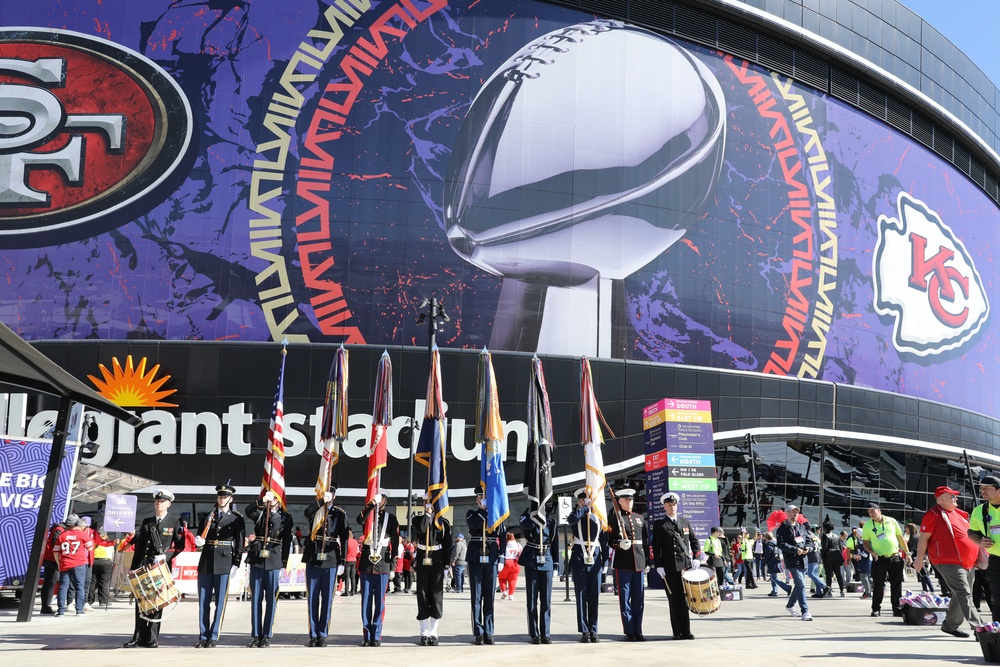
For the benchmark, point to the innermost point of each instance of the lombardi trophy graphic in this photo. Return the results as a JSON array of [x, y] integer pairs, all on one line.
[[583, 157]]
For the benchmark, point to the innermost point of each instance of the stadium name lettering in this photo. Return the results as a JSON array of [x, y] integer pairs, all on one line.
[[164, 433], [315, 169]]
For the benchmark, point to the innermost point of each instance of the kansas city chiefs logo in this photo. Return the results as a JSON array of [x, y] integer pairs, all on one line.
[[91, 134], [925, 279]]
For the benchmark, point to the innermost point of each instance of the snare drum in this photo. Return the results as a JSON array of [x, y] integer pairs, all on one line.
[[701, 591], [153, 587]]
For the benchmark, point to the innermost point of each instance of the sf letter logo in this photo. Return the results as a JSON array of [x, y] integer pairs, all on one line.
[[31, 116], [924, 279]]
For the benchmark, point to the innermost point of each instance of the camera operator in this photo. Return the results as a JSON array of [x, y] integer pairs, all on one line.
[[795, 542]]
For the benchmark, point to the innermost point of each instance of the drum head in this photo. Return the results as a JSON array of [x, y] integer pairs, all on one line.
[[699, 575]]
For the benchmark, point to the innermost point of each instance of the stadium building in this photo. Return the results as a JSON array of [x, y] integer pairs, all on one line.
[[785, 208]]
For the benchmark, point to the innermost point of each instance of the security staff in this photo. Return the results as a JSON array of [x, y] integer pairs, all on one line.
[[884, 540], [159, 539], [376, 561], [984, 529], [485, 560], [586, 562], [538, 559], [221, 535], [674, 548], [323, 556], [433, 552], [267, 556], [629, 538]]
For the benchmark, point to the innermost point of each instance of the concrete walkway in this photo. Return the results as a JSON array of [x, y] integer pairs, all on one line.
[[755, 631]]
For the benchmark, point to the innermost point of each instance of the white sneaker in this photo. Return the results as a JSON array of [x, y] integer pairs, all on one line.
[[503, 596], [807, 616], [793, 611], [87, 607]]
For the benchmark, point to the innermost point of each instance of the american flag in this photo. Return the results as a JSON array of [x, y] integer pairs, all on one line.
[[274, 462]]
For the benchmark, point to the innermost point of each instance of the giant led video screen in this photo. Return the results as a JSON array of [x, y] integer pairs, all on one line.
[[252, 171]]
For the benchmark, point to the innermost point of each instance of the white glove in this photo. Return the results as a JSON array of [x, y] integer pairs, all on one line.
[[646, 570], [327, 498], [340, 570], [159, 558], [199, 541], [377, 498], [663, 573], [429, 509], [588, 502], [604, 570], [232, 571], [500, 566], [269, 497]]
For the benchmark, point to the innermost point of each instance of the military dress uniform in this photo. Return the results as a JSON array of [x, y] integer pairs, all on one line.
[[586, 562], [483, 557], [323, 558], [539, 558], [433, 552], [267, 555], [375, 563], [629, 539], [674, 545], [155, 537], [222, 551]]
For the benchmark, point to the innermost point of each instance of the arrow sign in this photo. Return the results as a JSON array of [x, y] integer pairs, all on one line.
[[119, 513]]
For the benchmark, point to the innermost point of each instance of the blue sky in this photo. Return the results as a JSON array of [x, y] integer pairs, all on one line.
[[971, 25]]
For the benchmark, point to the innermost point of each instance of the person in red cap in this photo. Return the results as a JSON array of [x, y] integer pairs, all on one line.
[[944, 537]]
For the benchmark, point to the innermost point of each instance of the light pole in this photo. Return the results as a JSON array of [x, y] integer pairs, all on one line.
[[431, 312]]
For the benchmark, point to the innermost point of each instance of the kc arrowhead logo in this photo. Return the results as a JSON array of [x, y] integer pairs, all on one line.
[[925, 279]]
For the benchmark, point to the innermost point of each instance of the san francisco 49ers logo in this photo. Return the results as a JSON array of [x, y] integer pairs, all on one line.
[[925, 279], [88, 129]]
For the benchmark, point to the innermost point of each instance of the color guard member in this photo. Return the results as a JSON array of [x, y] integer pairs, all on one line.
[[629, 539], [159, 539], [376, 561], [433, 552], [323, 556], [587, 561], [485, 560], [267, 556], [221, 537], [538, 558]]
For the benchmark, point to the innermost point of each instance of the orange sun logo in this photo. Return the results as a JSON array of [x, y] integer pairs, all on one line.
[[133, 388]]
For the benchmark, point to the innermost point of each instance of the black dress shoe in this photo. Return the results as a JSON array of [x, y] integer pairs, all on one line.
[[956, 632], [897, 612], [423, 640], [585, 638], [254, 643], [376, 642], [151, 644], [201, 643], [131, 644], [478, 641], [594, 638], [686, 635], [321, 642], [312, 642], [630, 638], [488, 639], [536, 640], [432, 641], [640, 638], [264, 642], [366, 643], [546, 640], [211, 643], [48, 612]]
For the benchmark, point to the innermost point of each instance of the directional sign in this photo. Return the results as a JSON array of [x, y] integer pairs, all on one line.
[[119, 513]]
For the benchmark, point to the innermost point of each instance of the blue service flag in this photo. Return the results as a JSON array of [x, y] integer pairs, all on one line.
[[489, 432], [431, 447]]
